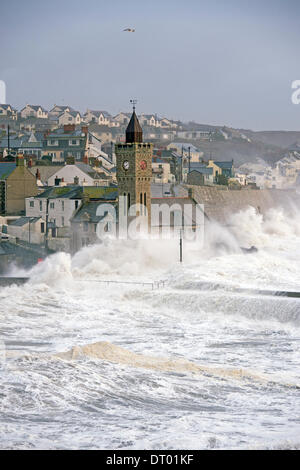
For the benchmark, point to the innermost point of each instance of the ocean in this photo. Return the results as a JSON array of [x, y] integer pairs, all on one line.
[[87, 364]]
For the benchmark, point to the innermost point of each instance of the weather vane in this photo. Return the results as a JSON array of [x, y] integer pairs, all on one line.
[[133, 102]]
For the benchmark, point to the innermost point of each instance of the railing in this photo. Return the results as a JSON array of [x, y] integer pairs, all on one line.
[[154, 284]]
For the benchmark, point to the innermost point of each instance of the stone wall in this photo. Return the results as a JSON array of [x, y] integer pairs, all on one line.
[[220, 203]]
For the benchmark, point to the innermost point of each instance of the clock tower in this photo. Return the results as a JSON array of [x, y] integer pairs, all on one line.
[[134, 168]]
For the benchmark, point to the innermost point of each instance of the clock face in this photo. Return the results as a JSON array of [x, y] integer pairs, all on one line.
[[143, 165], [126, 165]]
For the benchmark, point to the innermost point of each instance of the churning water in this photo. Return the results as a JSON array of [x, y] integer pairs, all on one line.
[[85, 364]]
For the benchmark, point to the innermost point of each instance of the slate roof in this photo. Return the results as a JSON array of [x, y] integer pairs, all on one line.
[[60, 192], [203, 171], [8, 248], [13, 142], [62, 108], [6, 169], [46, 171], [224, 165], [35, 107], [6, 106], [73, 113], [98, 113], [61, 133], [87, 212], [77, 192], [24, 220]]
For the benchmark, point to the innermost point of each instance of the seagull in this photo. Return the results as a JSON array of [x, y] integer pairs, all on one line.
[[130, 30]]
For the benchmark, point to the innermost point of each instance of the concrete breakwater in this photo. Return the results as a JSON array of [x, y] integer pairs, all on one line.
[[9, 281]]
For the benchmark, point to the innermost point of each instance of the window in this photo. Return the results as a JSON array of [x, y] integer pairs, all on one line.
[[51, 205], [42, 227], [62, 205], [63, 221], [85, 226], [41, 205], [52, 142], [76, 204], [31, 204]]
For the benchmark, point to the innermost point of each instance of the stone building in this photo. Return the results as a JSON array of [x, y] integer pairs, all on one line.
[[134, 168], [16, 184]]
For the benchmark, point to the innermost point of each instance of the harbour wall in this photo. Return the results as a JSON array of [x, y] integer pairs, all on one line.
[[220, 203]]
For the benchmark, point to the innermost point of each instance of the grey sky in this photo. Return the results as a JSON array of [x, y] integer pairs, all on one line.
[[215, 62]]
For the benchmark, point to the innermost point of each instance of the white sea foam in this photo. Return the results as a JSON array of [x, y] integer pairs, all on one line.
[[92, 403]]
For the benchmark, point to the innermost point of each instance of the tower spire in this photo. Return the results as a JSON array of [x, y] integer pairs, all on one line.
[[134, 131]]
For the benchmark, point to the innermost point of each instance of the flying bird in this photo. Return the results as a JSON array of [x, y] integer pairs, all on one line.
[[130, 30]]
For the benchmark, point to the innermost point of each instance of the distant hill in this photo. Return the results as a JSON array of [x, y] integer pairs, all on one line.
[[244, 145], [283, 139]]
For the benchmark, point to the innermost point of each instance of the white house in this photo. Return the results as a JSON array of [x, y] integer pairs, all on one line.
[[79, 174], [123, 118], [28, 229], [8, 111], [61, 203], [69, 117], [36, 111], [57, 110], [103, 118], [166, 124], [161, 172], [148, 120]]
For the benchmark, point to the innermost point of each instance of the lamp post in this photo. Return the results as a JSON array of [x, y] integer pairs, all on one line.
[[29, 232], [180, 246]]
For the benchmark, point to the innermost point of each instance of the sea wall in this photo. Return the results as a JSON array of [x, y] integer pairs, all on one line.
[[219, 203]]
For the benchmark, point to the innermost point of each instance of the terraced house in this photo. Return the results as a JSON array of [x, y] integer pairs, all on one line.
[[65, 142], [69, 117], [36, 111]]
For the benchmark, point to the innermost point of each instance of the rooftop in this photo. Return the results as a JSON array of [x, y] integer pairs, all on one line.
[[6, 169]]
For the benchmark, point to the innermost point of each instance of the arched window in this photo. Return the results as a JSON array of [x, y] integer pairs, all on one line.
[[141, 203], [128, 201]]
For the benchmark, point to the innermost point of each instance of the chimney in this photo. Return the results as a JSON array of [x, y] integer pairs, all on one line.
[[38, 174], [70, 160], [191, 193], [85, 129], [29, 163], [76, 180], [86, 159], [20, 160], [69, 128], [85, 198]]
